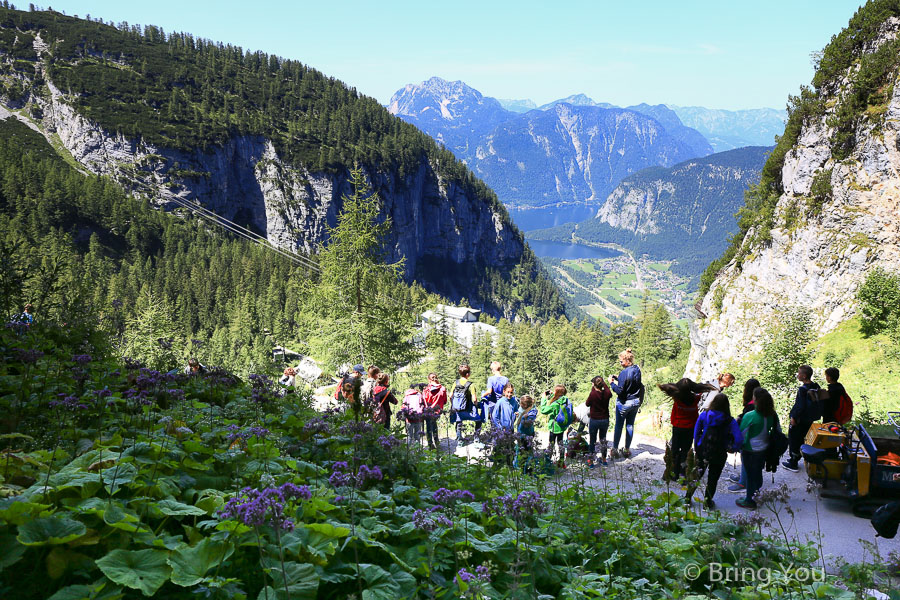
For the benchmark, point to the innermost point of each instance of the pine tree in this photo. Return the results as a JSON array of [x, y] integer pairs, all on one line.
[[356, 317]]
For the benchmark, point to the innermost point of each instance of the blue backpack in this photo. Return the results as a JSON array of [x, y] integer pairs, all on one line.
[[564, 416], [458, 401]]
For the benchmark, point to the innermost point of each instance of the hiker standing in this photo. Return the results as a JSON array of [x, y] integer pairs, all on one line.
[[757, 427], [629, 395], [739, 483], [831, 397], [382, 398], [435, 397], [353, 377], [553, 407], [504, 414], [685, 396], [715, 435], [598, 413], [495, 385], [463, 406], [722, 382], [413, 409], [803, 414]]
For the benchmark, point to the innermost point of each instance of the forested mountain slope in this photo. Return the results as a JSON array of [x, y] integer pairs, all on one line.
[[262, 140], [683, 213], [825, 212]]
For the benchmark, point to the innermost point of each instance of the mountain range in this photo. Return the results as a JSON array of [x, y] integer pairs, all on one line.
[[573, 151], [684, 213]]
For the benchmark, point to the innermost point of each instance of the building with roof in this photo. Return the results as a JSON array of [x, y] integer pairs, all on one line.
[[459, 322]]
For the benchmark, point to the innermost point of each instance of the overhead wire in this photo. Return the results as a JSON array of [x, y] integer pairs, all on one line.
[[254, 237], [242, 231]]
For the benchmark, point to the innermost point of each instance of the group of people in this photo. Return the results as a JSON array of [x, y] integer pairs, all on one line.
[[498, 406], [701, 418]]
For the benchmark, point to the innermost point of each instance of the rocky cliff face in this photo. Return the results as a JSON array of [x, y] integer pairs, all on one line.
[[571, 151], [813, 261], [571, 154], [687, 199], [246, 181]]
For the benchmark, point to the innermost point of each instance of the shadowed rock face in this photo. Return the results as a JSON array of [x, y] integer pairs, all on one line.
[[819, 262], [246, 181]]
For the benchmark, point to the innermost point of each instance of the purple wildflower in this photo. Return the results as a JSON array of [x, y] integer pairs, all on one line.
[[81, 359], [28, 357], [483, 573], [184, 430], [133, 364], [465, 576], [254, 507], [356, 427], [65, 402], [317, 425], [446, 497], [388, 442]]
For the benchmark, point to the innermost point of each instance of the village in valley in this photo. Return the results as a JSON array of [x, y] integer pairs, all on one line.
[[613, 289]]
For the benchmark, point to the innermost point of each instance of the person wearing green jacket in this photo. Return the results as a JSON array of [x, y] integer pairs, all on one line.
[[756, 427], [551, 406]]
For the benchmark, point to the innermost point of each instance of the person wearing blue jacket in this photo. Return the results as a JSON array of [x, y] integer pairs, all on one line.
[[715, 435], [803, 414], [629, 394], [503, 416]]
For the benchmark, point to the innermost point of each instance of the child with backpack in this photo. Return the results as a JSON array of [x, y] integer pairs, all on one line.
[[715, 435], [837, 407], [757, 426], [559, 409], [495, 386], [413, 410], [463, 406], [435, 397]]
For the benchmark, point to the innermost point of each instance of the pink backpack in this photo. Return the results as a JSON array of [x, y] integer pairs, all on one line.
[[414, 405]]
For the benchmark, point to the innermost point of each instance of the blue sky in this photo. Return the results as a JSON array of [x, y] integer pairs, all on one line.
[[709, 53]]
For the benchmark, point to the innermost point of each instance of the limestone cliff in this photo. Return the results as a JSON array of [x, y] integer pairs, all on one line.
[[441, 216], [834, 220]]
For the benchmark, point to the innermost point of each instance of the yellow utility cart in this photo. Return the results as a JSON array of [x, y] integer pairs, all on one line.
[[852, 464]]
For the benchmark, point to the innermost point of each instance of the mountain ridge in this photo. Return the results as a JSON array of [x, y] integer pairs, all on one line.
[[266, 141]]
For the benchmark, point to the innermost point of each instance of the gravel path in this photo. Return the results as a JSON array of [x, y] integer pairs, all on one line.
[[828, 522]]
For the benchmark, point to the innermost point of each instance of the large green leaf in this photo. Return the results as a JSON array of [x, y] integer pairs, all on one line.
[[190, 564], [16, 511], [118, 517], [116, 477], [144, 570], [74, 592], [302, 579], [10, 551], [175, 508], [387, 585], [50, 531]]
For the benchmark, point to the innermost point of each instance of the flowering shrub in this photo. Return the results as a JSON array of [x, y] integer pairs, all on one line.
[[115, 476]]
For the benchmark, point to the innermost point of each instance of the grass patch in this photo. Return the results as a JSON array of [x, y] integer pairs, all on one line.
[[872, 378]]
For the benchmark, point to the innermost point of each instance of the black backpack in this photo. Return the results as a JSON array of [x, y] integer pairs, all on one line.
[[815, 409], [778, 445], [459, 400], [886, 519], [716, 441]]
